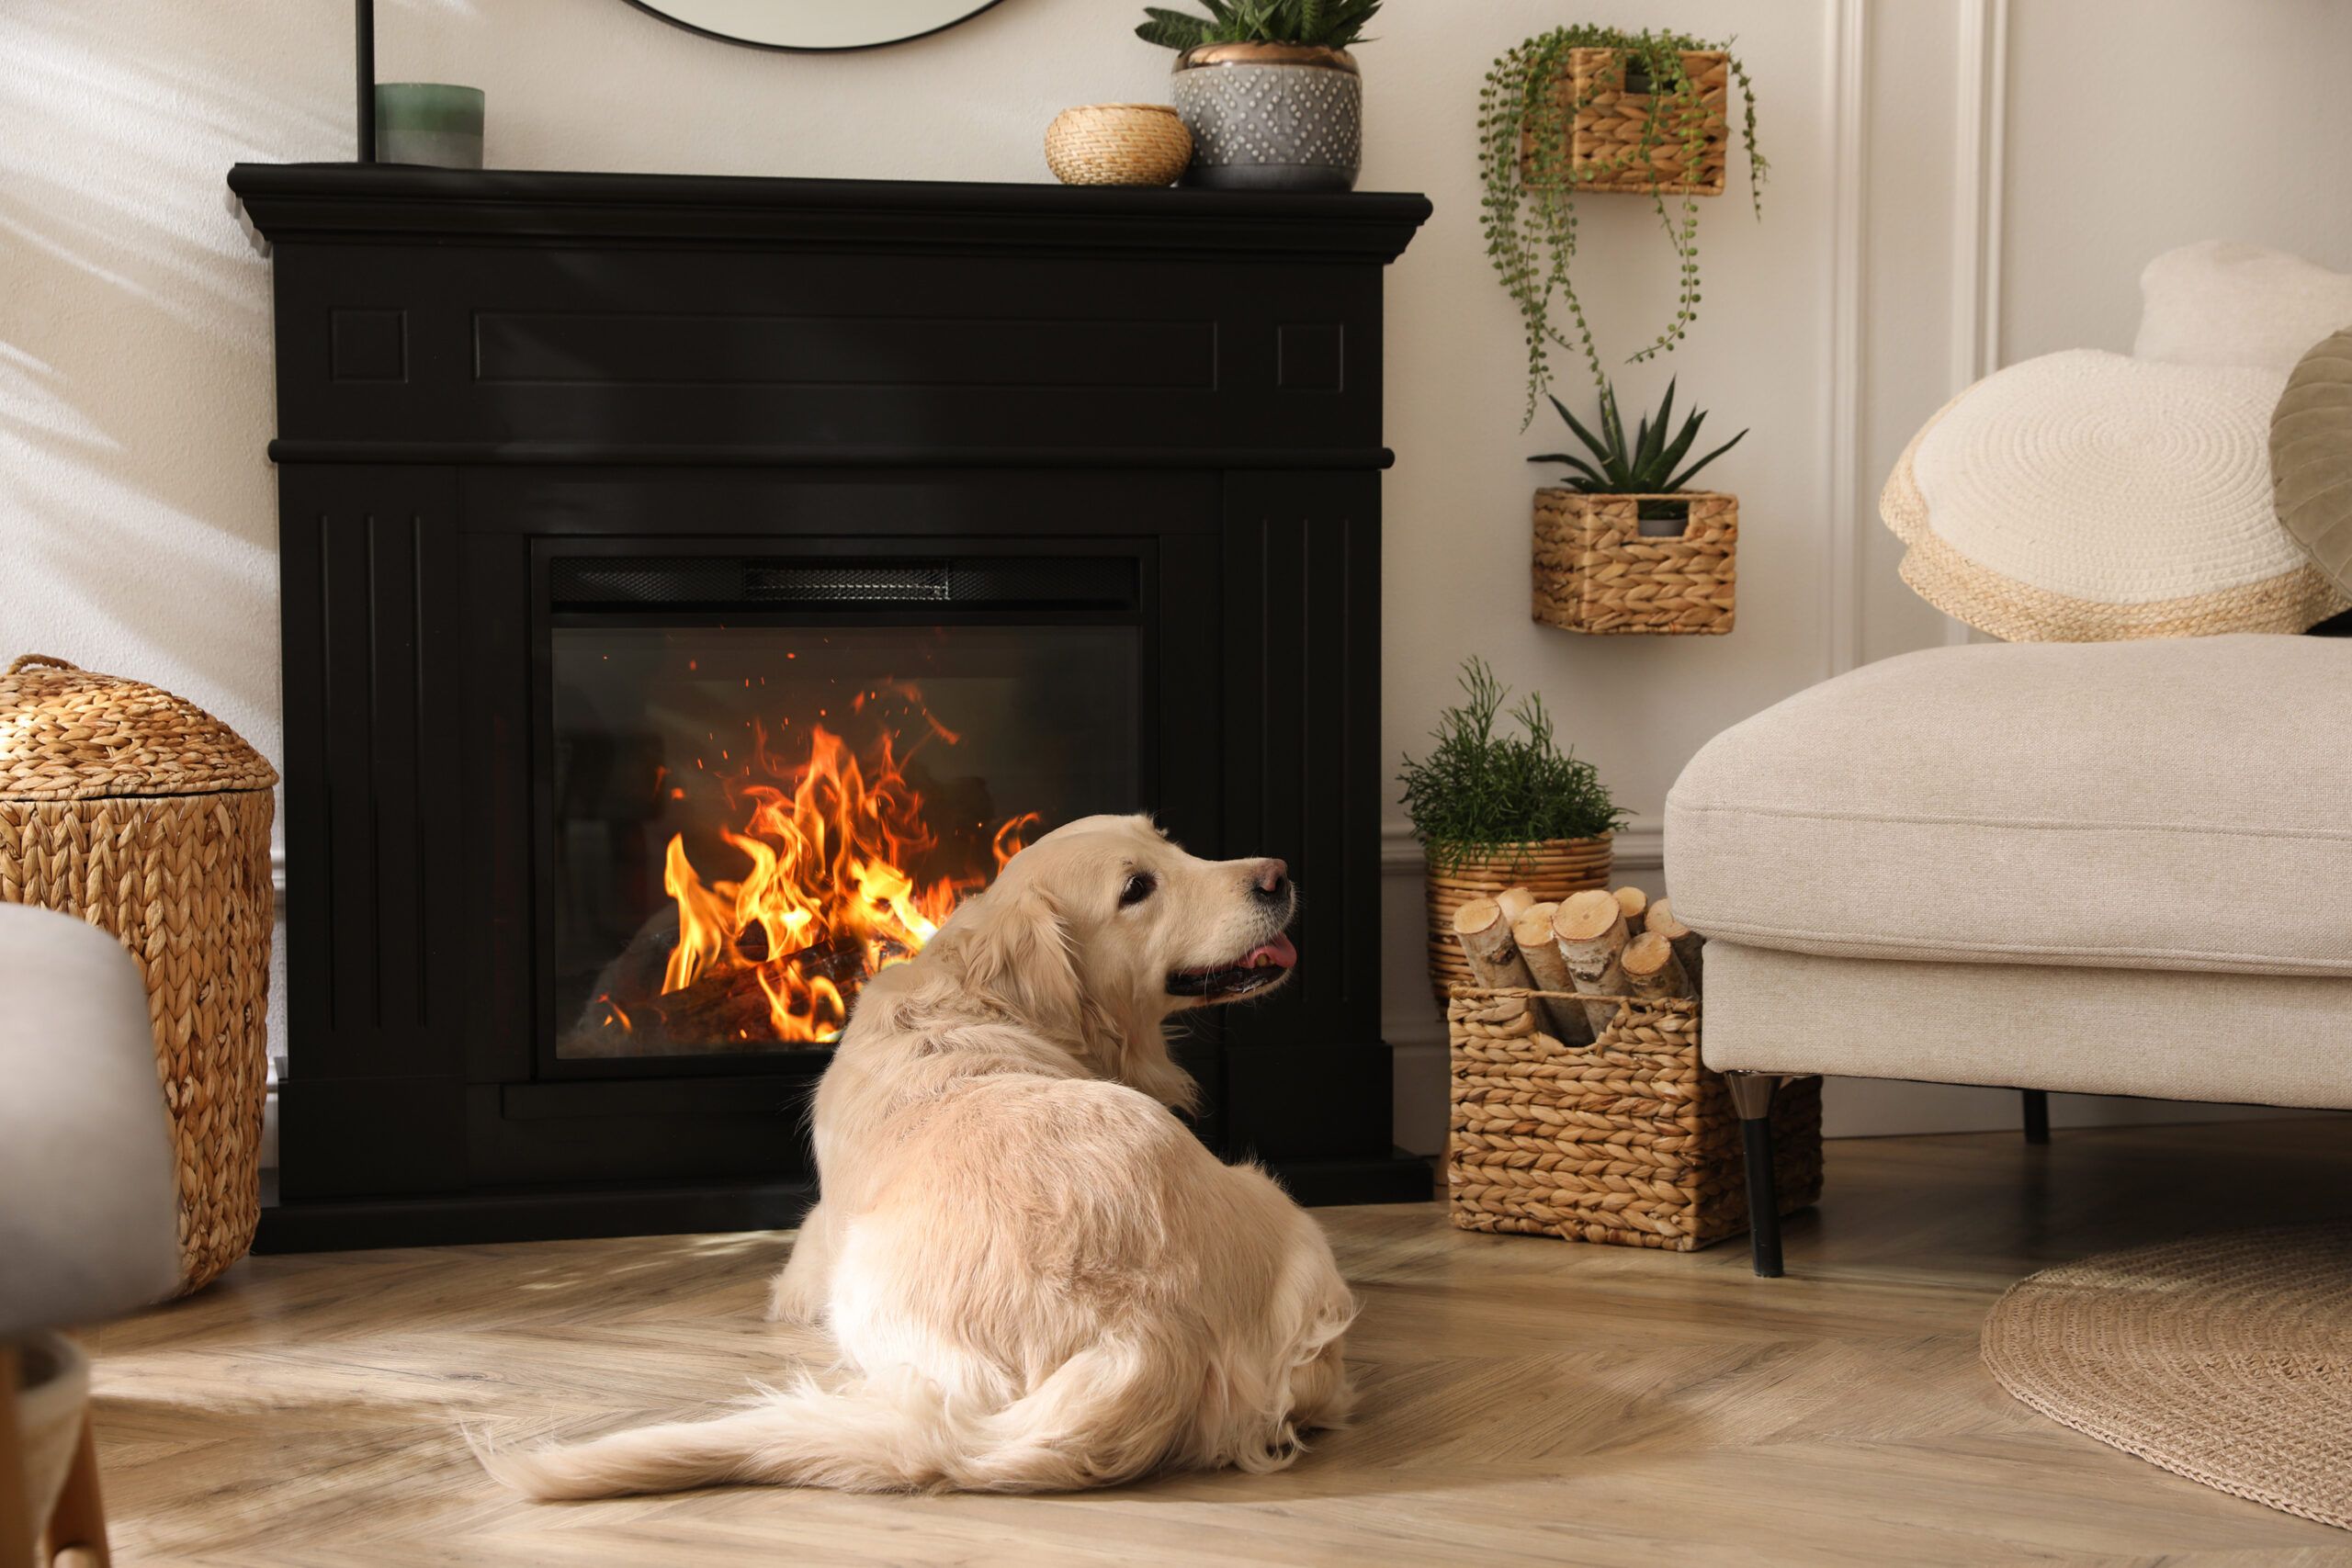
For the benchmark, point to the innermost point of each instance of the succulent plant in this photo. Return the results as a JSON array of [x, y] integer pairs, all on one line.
[[1648, 465], [1326, 24]]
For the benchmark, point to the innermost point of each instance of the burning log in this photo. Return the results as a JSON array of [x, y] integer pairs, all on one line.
[[722, 1010]]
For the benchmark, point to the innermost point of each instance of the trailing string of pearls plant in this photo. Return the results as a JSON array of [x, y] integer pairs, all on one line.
[[1532, 164]]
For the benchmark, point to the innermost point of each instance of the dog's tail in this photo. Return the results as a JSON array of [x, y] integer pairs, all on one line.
[[1110, 1413]]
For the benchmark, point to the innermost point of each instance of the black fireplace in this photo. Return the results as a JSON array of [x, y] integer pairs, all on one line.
[[694, 587]]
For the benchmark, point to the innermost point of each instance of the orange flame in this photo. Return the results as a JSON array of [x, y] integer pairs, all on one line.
[[829, 883]]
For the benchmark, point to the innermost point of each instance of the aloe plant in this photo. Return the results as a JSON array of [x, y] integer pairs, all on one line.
[[1326, 24], [1650, 463]]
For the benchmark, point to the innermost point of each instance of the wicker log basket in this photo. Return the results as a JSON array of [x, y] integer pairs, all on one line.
[[1629, 1141], [148, 817], [1595, 572], [1549, 868]]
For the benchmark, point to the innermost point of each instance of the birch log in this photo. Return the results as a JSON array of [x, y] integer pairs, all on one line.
[[1486, 942], [1652, 971], [1687, 942], [1564, 1021], [1632, 902], [1591, 930], [1515, 902]]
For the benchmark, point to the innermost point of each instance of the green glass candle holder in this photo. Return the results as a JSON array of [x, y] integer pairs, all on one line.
[[429, 123]]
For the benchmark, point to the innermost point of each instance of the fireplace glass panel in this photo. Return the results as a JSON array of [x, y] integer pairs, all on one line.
[[750, 821]]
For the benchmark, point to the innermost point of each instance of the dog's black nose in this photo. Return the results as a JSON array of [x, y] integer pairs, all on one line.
[[1272, 883]]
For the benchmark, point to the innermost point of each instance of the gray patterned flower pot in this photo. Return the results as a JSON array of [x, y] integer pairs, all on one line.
[[1271, 116]]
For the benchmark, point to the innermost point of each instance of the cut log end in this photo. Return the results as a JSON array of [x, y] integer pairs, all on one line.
[[1515, 902], [1651, 970], [1630, 903], [1488, 945], [1586, 917], [1477, 915]]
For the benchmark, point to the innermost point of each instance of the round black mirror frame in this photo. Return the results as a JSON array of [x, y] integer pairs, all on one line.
[[653, 11]]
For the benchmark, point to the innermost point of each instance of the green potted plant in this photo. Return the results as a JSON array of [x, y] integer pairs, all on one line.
[[1498, 810], [1622, 546], [1268, 90], [1601, 109]]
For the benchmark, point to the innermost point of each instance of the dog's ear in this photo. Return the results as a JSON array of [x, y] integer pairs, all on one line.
[[1015, 952]]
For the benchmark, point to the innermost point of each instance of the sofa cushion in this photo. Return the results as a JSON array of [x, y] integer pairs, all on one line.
[[2180, 804], [2153, 1034], [2219, 302], [2310, 457]]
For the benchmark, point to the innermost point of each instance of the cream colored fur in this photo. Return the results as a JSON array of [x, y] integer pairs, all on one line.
[[1038, 1278]]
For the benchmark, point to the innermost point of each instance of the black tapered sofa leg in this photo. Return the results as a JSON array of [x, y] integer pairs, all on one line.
[[2036, 1115], [1751, 1096]]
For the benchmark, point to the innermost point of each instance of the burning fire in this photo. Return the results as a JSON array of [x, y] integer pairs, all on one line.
[[831, 897]]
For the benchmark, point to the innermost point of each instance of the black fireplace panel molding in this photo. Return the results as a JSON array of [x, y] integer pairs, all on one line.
[[479, 374]]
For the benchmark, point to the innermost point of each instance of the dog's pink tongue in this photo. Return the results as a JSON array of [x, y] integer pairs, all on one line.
[[1279, 952]]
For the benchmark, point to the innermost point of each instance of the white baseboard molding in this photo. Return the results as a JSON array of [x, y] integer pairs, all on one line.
[[1638, 849]]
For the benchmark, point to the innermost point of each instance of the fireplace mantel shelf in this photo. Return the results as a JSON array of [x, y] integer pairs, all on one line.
[[338, 201]]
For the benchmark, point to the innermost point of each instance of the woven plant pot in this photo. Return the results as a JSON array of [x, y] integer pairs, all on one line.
[[1595, 572], [148, 817], [1549, 868], [1628, 1141], [1118, 145], [1605, 139]]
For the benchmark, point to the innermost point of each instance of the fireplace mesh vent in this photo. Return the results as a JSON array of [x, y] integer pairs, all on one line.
[[580, 582]]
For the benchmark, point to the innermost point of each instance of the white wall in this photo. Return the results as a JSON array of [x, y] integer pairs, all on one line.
[[137, 510]]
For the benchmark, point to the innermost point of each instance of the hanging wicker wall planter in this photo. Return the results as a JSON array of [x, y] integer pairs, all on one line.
[[1598, 573], [1605, 138], [1549, 868], [148, 817]]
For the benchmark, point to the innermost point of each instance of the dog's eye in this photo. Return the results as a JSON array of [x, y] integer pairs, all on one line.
[[1138, 888]]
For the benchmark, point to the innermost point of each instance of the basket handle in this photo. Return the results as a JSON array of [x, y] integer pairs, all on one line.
[[23, 660], [1459, 990]]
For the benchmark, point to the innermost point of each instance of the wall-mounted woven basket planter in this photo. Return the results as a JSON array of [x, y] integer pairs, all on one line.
[[1549, 868], [146, 816], [1608, 131], [1597, 573], [1628, 1141]]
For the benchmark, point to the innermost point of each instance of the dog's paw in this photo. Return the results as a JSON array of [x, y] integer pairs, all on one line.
[[789, 1305]]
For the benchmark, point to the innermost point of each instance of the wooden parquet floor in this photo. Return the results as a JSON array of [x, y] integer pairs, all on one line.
[[1526, 1401]]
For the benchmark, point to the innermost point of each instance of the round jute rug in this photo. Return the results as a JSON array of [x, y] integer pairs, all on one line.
[[2227, 1360]]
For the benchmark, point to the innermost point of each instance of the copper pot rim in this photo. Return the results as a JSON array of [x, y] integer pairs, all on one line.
[[1267, 54]]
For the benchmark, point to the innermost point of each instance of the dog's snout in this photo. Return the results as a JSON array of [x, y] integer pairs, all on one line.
[[1272, 880]]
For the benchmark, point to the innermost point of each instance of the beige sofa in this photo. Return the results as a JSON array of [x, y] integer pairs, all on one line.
[[2117, 868]]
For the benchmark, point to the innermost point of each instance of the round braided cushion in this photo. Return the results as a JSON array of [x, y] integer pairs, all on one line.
[[2086, 497]]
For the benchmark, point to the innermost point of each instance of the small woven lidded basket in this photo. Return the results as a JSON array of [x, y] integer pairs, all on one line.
[[1630, 1141], [1550, 868], [148, 817], [1118, 145], [1605, 139], [1598, 573]]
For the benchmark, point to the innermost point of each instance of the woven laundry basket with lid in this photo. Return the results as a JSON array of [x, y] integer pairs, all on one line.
[[148, 817]]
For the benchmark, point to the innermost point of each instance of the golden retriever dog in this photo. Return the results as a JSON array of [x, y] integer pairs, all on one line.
[[1038, 1278]]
